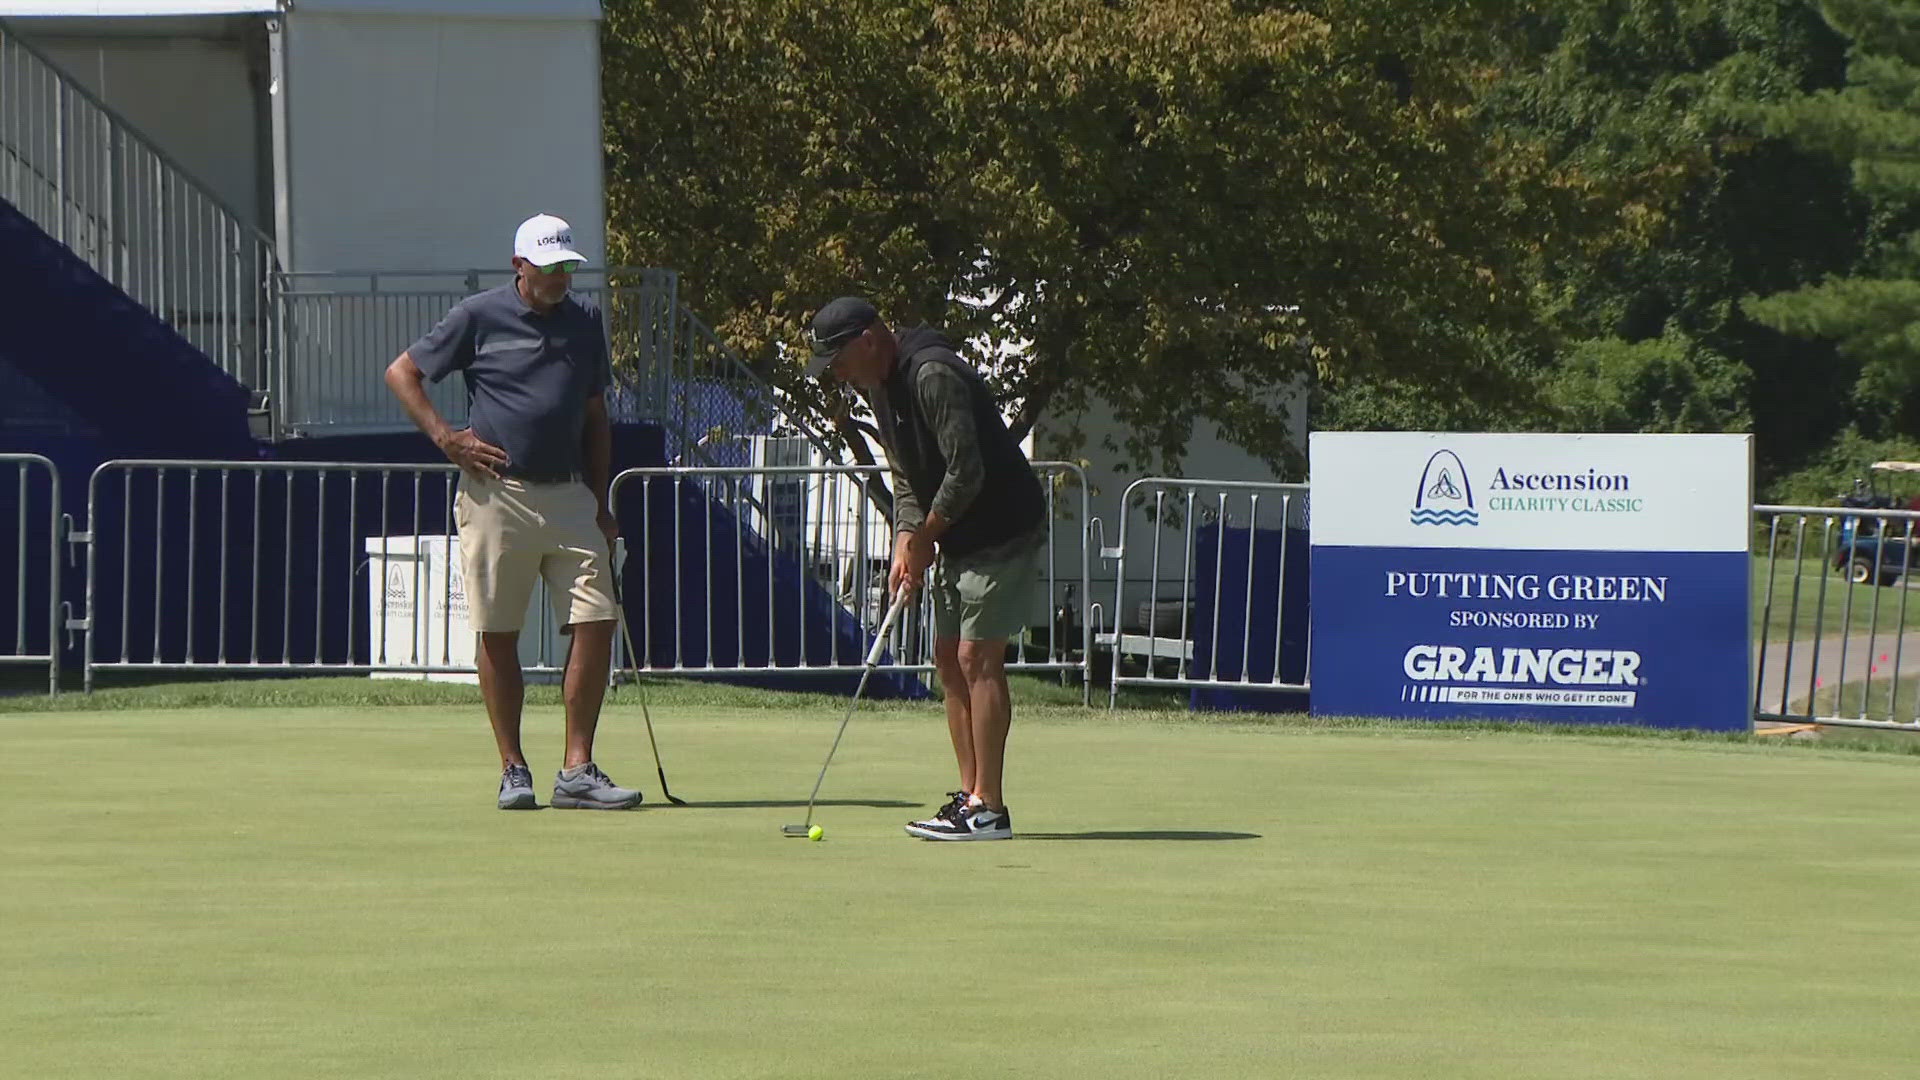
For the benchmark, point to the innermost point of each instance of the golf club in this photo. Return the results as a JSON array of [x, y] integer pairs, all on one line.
[[873, 660], [633, 669]]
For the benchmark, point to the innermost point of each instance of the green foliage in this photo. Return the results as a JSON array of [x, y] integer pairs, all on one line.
[[1506, 399], [1832, 472], [1871, 312], [1535, 216], [1675, 205], [1181, 207], [1876, 322], [1654, 107], [1671, 383]]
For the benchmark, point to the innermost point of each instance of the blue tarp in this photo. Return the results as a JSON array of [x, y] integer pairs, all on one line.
[[1255, 607], [684, 610]]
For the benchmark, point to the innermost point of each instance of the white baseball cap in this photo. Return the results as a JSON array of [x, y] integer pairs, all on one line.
[[544, 240]]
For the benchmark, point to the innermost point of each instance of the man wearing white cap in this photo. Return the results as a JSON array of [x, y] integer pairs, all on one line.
[[534, 460]]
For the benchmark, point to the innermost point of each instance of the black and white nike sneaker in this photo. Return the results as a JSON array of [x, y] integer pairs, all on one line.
[[956, 802], [966, 823]]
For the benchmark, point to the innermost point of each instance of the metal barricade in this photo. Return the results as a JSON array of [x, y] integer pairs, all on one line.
[[1203, 573], [334, 567], [757, 569], [1068, 573], [32, 636], [309, 567], [1836, 643]]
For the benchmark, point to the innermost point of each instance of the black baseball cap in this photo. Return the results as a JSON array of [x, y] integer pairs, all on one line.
[[833, 326]]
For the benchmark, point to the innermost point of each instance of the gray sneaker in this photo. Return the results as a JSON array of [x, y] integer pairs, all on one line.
[[516, 789], [587, 788]]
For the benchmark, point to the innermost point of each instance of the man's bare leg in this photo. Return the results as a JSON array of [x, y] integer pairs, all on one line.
[[504, 691], [985, 666], [959, 695], [588, 659], [580, 785]]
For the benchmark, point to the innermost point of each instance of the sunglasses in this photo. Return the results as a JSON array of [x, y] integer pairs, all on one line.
[[566, 267], [839, 344]]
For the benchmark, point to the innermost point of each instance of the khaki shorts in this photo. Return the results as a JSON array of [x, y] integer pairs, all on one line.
[[513, 533], [985, 602]]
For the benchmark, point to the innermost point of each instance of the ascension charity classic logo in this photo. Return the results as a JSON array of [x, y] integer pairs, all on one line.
[[1444, 496]]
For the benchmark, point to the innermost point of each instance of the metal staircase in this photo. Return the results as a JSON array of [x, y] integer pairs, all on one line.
[[310, 346], [92, 181]]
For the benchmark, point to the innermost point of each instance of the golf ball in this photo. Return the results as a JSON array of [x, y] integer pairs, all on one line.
[[816, 833]]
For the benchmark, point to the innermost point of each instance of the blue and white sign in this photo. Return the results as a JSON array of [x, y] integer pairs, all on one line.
[[1579, 578]]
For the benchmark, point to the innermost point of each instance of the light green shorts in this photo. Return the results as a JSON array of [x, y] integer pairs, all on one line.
[[986, 601]]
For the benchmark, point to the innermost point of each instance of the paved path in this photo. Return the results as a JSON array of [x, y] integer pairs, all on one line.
[[1867, 657]]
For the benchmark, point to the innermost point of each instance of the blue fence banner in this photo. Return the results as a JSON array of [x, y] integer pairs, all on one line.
[[1572, 578]]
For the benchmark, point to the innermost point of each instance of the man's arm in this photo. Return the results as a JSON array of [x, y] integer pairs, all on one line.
[[446, 348], [462, 447], [948, 407], [596, 455], [596, 435], [949, 411], [908, 520], [409, 384], [908, 516]]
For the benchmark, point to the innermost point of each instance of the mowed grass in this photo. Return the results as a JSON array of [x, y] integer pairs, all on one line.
[[1811, 599], [327, 892], [1870, 699]]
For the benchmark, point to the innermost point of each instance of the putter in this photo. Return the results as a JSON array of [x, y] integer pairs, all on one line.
[[873, 660], [633, 669]]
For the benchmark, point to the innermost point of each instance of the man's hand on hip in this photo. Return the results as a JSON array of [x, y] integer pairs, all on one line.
[[473, 455], [609, 525]]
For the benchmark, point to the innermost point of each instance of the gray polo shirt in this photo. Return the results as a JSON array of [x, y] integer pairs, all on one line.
[[529, 376]]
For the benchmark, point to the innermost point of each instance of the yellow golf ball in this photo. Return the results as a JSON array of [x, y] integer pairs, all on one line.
[[816, 833]]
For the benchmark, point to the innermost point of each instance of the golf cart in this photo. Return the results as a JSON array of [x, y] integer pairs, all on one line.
[[1875, 549]]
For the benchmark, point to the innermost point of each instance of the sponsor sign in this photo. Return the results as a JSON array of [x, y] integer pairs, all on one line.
[[1580, 578]]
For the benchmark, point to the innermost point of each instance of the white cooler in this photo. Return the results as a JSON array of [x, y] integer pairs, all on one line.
[[408, 569]]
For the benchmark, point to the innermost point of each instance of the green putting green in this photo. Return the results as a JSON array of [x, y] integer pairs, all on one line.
[[322, 892]]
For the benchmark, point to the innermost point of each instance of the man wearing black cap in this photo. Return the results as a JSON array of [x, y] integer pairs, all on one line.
[[962, 487]]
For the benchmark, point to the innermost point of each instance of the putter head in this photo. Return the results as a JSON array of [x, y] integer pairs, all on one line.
[[793, 830]]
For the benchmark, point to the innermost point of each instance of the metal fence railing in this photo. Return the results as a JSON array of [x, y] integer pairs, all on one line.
[[30, 486], [1210, 586], [1837, 640], [343, 328], [354, 568], [279, 566], [783, 569], [92, 181], [704, 396]]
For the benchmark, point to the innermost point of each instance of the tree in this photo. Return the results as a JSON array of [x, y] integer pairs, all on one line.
[[1872, 125], [1671, 383], [1184, 208], [1655, 106]]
